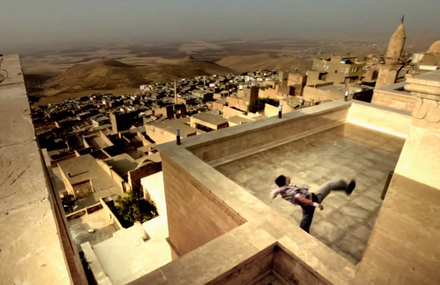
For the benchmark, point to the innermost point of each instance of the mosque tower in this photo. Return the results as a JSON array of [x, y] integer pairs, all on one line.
[[396, 45], [389, 71]]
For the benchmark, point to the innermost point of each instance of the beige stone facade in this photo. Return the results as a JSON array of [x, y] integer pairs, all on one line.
[[405, 238], [394, 96]]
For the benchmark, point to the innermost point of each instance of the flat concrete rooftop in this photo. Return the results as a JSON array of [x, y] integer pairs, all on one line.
[[84, 168], [172, 125], [346, 151], [122, 163], [210, 118], [97, 221]]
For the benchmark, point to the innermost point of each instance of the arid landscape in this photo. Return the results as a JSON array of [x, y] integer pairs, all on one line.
[[59, 74]]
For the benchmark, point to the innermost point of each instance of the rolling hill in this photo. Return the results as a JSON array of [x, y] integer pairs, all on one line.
[[263, 61], [112, 74]]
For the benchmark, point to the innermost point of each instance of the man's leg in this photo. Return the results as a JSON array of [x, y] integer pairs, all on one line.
[[307, 218], [308, 212], [335, 185]]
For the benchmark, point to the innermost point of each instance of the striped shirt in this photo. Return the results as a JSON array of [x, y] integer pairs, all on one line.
[[291, 193]]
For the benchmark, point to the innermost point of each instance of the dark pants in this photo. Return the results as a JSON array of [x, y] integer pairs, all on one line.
[[321, 194], [308, 212]]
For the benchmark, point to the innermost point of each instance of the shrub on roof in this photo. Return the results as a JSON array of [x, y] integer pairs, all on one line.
[[258, 105], [135, 209]]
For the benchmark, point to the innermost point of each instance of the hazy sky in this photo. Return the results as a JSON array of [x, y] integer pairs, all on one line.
[[82, 20]]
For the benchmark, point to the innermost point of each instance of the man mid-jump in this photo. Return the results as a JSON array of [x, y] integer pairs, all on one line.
[[300, 196]]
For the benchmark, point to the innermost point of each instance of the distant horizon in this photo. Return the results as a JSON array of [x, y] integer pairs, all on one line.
[[45, 23], [425, 41]]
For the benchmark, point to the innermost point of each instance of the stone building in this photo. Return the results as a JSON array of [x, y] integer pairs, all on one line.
[[338, 69], [430, 60], [222, 227], [389, 70], [122, 121]]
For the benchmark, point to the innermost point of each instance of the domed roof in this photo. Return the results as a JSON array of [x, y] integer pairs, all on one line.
[[435, 47]]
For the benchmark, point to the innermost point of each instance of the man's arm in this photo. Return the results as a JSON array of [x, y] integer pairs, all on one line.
[[275, 193]]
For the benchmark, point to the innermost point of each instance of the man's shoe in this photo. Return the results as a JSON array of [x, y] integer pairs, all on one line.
[[351, 187]]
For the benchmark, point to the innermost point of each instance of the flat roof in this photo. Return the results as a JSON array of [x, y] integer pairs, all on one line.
[[333, 88], [85, 167], [347, 221], [172, 125], [239, 120], [394, 88], [122, 163], [429, 78], [210, 118]]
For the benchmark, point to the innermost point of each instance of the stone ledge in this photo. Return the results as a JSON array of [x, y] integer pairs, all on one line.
[[30, 248], [22, 177], [268, 146], [30, 245], [258, 125], [16, 123]]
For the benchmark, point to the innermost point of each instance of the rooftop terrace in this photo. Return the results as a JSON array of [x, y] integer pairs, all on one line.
[[222, 179], [345, 151]]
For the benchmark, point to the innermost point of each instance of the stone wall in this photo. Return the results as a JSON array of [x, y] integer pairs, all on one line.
[[82, 189], [387, 75], [321, 94], [115, 176], [270, 111], [380, 118], [158, 135], [111, 215], [218, 105], [404, 247], [195, 215], [393, 100], [293, 270], [268, 93], [135, 176], [54, 163], [263, 132], [230, 112], [33, 250], [71, 253]]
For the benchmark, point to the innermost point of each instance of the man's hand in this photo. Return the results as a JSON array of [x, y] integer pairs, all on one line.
[[317, 205]]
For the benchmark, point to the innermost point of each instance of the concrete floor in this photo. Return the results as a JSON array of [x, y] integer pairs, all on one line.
[[347, 151], [98, 221]]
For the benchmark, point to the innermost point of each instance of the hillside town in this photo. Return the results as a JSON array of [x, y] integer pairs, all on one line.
[[130, 202]]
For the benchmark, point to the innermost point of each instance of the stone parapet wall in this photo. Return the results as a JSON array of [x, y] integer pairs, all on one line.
[[385, 119], [393, 100], [195, 215], [321, 94], [248, 252], [35, 244], [256, 134], [404, 246]]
